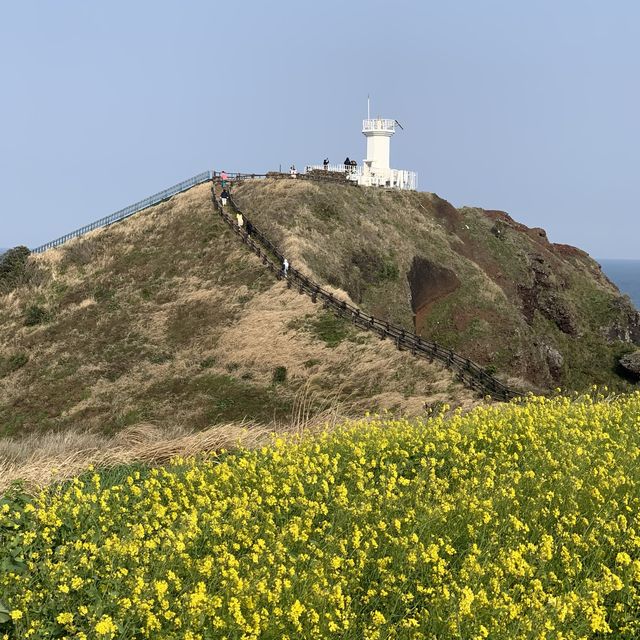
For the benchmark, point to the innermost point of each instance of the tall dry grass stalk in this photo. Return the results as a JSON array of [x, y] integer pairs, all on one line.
[[40, 459]]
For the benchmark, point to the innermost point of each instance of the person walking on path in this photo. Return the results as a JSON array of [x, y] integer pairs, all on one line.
[[285, 267], [249, 228], [224, 196], [347, 164], [240, 219], [325, 164], [293, 171], [224, 178]]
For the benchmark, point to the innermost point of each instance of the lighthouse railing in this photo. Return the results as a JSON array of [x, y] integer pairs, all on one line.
[[379, 124], [336, 168]]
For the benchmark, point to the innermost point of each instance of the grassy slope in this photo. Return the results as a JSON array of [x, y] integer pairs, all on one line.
[[167, 318], [364, 241]]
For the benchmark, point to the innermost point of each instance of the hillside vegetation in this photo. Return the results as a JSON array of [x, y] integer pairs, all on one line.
[[511, 522], [474, 280], [167, 318]]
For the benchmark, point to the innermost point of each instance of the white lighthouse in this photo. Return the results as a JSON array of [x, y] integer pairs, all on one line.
[[378, 132], [375, 170]]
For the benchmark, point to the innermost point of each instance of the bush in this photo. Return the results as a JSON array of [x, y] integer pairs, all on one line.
[[17, 361], [374, 267], [13, 266], [35, 315], [207, 363], [13, 363], [279, 375]]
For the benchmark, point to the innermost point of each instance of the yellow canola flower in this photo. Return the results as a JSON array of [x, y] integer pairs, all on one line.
[[511, 521], [106, 627]]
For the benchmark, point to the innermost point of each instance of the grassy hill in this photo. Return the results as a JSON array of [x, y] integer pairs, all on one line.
[[167, 318], [474, 280]]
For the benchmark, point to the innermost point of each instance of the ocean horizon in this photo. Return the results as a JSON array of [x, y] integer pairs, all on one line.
[[626, 276]]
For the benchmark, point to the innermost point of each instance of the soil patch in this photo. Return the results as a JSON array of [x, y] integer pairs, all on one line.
[[429, 282]]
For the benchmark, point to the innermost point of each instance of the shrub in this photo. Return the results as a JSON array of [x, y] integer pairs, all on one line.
[[34, 315], [17, 361], [374, 267], [13, 265], [331, 329], [279, 375], [207, 363], [13, 363]]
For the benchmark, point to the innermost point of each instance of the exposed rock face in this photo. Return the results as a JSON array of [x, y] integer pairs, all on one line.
[[542, 296], [631, 362], [626, 325], [429, 282], [554, 360]]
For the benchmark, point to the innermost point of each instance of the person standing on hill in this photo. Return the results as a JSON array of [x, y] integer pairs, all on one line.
[[325, 164], [285, 267], [224, 196]]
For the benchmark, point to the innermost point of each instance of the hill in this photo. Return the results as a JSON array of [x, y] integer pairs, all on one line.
[[167, 318], [473, 280]]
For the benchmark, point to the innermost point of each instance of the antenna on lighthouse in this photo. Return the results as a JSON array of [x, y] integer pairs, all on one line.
[[368, 107]]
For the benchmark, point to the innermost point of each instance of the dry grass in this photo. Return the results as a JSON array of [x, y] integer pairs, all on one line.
[[39, 460], [151, 318]]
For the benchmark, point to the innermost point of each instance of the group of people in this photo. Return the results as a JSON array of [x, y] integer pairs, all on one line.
[[349, 164], [246, 224]]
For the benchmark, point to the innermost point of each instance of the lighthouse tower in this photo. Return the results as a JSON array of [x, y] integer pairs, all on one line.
[[376, 167], [378, 132]]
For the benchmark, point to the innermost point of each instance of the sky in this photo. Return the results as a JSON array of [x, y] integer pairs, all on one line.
[[528, 107]]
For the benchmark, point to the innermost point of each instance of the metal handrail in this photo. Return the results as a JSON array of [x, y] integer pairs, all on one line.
[[468, 371], [128, 211]]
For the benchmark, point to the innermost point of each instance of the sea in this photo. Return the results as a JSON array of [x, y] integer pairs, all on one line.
[[626, 275]]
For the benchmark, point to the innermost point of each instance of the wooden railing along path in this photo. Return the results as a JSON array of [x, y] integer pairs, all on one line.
[[469, 372]]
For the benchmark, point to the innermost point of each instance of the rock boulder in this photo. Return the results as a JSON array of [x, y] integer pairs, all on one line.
[[631, 362]]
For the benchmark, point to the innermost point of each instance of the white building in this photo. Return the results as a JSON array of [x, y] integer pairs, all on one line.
[[375, 170]]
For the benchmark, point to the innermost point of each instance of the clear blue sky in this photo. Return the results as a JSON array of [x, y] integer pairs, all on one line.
[[529, 107]]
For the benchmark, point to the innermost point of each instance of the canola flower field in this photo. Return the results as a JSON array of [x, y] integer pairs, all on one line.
[[512, 521]]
